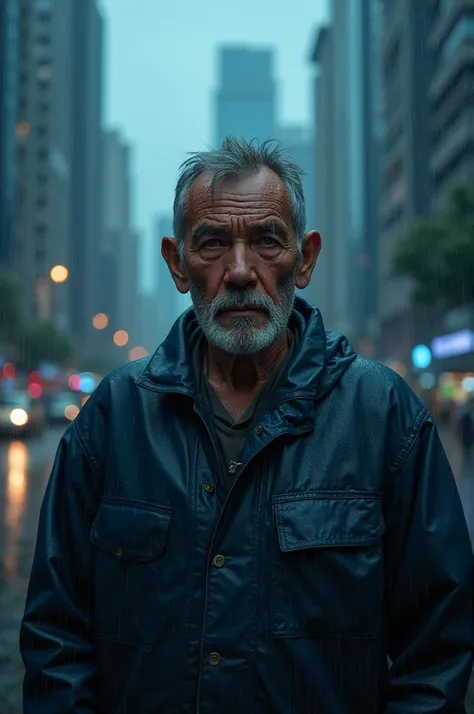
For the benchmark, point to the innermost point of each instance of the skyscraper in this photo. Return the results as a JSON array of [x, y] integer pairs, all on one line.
[[117, 294], [87, 81], [298, 140], [9, 30], [44, 158], [245, 101], [405, 186], [58, 216], [451, 96], [347, 99], [169, 302]]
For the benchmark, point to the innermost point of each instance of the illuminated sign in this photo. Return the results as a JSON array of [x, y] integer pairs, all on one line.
[[457, 343]]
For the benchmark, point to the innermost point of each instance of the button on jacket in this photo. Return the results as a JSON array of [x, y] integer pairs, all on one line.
[[336, 576]]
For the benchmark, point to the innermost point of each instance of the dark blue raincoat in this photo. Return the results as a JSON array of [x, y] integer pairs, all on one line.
[[341, 543]]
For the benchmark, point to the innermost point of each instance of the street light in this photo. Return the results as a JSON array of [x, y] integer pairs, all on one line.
[[59, 274], [121, 338], [100, 321]]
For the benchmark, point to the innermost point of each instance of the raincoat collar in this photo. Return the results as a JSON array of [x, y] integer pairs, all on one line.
[[319, 360]]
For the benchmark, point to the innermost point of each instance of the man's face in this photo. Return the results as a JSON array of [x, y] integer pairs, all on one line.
[[241, 259]]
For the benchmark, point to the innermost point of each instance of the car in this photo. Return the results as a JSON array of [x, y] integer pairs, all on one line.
[[21, 415], [62, 407]]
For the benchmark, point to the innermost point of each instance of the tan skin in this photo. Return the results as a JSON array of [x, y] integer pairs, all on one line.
[[238, 254]]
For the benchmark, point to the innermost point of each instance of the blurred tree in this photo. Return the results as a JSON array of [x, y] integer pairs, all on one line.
[[9, 309], [42, 342], [438, 253]]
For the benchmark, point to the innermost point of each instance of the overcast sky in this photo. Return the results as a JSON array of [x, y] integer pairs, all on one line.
[[160, 71]]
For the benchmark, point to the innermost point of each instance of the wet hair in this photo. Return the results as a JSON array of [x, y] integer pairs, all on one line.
[[237, 157]]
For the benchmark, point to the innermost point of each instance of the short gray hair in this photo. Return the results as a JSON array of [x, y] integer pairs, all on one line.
[[238, 157]]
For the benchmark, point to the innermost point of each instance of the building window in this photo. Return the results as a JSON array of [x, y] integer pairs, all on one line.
[[460, 162], [44, 17], [461, 31], [43, 107], [42, 154], [44, 40], [40, 255], [42, 130], [42, 178], [40, 230], [42, 202]]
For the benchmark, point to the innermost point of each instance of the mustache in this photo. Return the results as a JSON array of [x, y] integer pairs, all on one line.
[[247, 299]]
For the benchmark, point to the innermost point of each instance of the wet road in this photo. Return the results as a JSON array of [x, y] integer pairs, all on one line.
[[24, 471]]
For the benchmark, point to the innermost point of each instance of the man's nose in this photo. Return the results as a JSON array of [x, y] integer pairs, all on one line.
[[240, 268]]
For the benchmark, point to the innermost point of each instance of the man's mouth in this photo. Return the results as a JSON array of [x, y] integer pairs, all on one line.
[[241, 310]]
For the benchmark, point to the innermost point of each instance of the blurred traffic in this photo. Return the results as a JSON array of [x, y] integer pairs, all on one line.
[[29, 401]]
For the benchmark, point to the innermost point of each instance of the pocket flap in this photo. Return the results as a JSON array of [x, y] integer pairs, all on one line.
[[137, 532], [327, 519]]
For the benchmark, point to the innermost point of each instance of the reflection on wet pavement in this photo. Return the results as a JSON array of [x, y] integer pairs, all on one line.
[[24, 471], [15, 505]]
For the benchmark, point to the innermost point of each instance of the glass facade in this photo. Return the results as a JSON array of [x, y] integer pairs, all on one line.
[[9, 18]]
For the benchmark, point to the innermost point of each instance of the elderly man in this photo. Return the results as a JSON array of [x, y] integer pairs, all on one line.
[[256, 519]]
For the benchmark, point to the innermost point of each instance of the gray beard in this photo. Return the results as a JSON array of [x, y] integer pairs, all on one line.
[[244, 336]]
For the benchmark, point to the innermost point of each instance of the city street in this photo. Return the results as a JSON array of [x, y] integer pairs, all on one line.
[[24, 471]]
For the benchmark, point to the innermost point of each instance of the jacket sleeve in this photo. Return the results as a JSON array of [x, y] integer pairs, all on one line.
[[56, 639], [430, 581]]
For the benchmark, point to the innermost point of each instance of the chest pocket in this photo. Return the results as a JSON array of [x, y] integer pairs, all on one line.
[[327, 578], [130, 539]]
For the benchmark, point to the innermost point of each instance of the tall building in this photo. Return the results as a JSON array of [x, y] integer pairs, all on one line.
[[298, 140], [405, 192], [58, 208], [324, 277], [117, 295], [44, 158], [245, 101], [87, 80], [451, 95], [347, 91], [9, 34], [169, 302]]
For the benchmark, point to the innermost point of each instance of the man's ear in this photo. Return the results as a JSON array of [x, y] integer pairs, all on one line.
[[310, 249], [170, 252]]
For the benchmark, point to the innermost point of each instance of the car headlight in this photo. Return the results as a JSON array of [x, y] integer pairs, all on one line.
[[18, 417]]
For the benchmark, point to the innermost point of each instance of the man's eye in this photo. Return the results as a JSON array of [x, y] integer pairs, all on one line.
[[268, 241], [212, 243]]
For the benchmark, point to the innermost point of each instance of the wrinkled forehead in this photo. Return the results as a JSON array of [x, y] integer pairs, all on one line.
[[258, 194]]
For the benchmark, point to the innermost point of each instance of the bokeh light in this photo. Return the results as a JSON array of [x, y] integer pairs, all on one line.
[[100, 321], [59, 274], [137, 353], [35, 390], [121, 338], [71, 412], [74, 382], [9, 370]]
